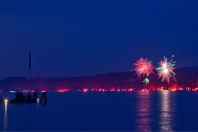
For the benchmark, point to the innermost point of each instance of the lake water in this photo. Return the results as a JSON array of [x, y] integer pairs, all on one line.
[[105, 111]]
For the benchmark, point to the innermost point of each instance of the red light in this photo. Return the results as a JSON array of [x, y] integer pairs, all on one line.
[[63, 90], [130, 89], [60, 90], [25, 91], [85, 90], [118, 90], [112, 89]]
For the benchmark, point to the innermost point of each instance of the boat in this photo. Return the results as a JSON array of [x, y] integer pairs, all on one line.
[[20, 98]]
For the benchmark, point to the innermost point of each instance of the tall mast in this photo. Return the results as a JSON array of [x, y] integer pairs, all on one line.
[[30, 65]]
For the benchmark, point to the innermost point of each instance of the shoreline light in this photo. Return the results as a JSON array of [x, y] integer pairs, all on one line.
[[5, 101]]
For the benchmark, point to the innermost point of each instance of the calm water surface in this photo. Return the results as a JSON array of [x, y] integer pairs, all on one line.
[[105, 111]]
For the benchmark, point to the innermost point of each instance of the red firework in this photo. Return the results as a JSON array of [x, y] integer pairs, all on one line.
[[143, 67]]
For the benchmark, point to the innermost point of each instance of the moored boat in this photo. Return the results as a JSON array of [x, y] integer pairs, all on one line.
[[20, 98]]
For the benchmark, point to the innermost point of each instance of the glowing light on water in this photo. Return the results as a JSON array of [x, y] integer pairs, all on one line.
[[143, 113], [166, 116], [165, 69], [143, 67], [5, 119], [37, 100]]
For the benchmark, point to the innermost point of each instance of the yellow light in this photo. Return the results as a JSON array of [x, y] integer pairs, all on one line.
[[6, 101]]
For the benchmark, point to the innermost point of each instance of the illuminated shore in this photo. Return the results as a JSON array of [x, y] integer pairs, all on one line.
[[186, 78]]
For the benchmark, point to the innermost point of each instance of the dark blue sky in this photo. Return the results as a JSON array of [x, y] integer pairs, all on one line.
[[89, 37]]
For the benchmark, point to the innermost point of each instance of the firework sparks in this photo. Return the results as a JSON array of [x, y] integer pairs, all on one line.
[[143, 67], [146, 80], [165, 71]]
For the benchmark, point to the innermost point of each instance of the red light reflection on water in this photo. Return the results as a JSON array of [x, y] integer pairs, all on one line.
[[143, 112], [146, 108]]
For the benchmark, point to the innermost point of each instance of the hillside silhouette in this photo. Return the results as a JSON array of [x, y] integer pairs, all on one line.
[[185, 77]]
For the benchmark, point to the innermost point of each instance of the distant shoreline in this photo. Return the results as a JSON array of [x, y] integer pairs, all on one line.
[[186, 77]]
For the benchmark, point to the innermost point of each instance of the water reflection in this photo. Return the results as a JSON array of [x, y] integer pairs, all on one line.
[[5, 122], [155, 111], [167, 110], [143, 112]]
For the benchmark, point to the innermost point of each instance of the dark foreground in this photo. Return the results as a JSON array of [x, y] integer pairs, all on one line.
[[108, 111]]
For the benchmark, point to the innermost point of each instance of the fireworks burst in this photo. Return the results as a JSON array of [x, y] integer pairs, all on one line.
[[146, 80], [143, 67], [165, 71]]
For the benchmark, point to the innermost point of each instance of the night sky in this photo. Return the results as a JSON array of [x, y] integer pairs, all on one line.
[[89, 37]]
